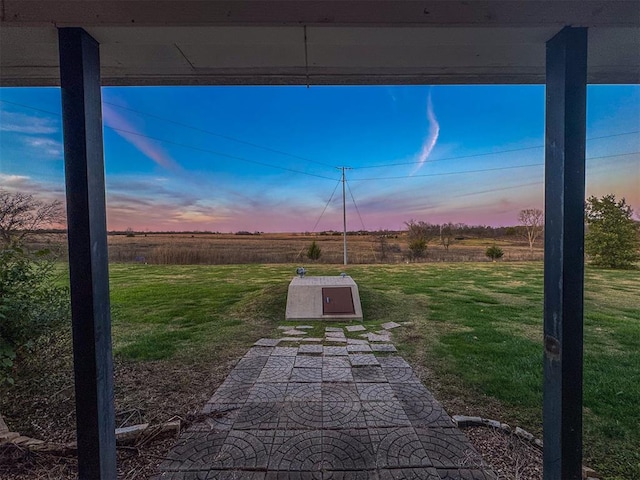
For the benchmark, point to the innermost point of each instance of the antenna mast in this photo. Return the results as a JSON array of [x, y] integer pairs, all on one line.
[[344, 213]]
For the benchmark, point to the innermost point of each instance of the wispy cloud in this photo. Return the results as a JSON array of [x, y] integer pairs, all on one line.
[[133, 135], [17, 122], [46, 146], [43, 190], [431, 139]]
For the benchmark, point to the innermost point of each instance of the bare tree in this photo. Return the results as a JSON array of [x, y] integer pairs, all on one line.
[[447, 232], [383, 243], [420, 234], [21, 215], [532, 219]]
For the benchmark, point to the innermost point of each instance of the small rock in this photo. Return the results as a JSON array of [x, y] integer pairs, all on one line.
[[589, 473], [390, 325], [524, 434], [463, 421], [355, 328], [491, 423]]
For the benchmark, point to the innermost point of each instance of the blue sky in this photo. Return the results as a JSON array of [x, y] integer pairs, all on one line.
[[264, 158]]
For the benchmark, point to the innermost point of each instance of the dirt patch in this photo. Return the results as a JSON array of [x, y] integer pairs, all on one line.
[[42, 405], [511, 457]]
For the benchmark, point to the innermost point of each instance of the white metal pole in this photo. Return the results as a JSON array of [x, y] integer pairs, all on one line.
[[344, 216]]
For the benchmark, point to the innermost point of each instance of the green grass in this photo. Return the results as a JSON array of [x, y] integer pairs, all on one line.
[[475, 334]]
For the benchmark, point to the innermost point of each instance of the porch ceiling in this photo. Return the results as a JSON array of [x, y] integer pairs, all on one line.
[[193, 42]]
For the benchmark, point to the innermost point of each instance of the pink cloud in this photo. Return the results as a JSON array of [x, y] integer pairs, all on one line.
[[129, 132]]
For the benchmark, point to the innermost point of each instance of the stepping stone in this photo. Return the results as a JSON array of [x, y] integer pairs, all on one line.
[[307, 375], [280, 362], [373, 337], [359, 348], [311, 349], [335, 351], [335, 362], [290, 339], [368, 375], [284, 327], [310, 339], [267, 342], [355, 328], [303, 361], [333, 329], [332, 374], [304, 327], [294, 332], [285, 351], [336, 339], [390, 325], [334, 334], [383, 347], [361, 360], [355, 341]]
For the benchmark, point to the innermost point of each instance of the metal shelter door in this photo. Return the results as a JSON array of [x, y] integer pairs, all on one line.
[[337, 301]]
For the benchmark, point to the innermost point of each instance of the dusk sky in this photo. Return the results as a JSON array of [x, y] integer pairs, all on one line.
[[264, 158]]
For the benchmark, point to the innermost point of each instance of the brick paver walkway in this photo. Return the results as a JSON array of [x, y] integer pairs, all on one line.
[[316, 410]]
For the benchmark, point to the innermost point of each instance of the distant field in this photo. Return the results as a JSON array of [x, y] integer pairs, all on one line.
[[475, 339], [224, 249]]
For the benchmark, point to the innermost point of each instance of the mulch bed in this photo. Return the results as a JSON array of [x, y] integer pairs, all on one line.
[[511, 457]]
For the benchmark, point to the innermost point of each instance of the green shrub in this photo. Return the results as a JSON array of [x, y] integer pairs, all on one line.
[[494, 252], [417, 248], [611, 239], [314, 251], [31, 305]]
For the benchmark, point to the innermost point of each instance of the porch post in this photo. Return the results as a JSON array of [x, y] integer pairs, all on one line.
[[566, 92], [88, 263]]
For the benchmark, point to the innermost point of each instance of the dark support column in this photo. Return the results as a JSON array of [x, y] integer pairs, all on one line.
[[564, 252], [88, 263]]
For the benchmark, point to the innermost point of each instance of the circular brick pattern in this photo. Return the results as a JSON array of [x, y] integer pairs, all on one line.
[[280, 362], [231, 393], [401, 447], [268, 392], [343, 451], [273, 375], [412, 392], [242, 449], [303, 414], [255, 415], [300, 452], [385, 414], [341, 414], [336, 392], [376, 392], [244, 375], [304, 391]]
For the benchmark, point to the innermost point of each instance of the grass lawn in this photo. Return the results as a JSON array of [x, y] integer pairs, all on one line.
[[475, 336], [475, 339]]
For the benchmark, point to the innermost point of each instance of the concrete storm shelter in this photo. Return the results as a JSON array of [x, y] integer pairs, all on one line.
[[81, 45], [323, 298]]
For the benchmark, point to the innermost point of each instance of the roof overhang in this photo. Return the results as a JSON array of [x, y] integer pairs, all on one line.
[[194, 42]]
